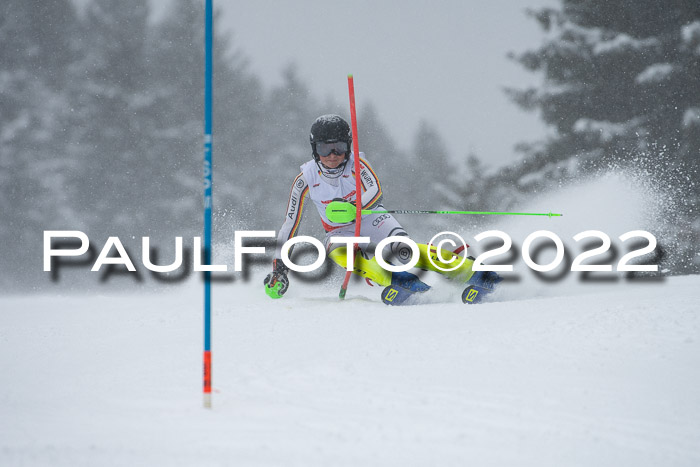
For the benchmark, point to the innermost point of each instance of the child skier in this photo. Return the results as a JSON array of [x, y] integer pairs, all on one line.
[[330, 176]]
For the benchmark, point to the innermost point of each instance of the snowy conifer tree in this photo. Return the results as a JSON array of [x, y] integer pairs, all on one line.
[[34, 113], [621, 88]]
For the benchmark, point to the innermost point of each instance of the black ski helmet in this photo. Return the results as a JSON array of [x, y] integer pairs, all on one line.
[[330, 129]]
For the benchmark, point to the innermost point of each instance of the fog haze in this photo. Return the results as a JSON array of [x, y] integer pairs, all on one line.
[[443, 61], [101, 111]]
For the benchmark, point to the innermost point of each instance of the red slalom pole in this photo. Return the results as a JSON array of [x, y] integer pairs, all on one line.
[[358, 183]]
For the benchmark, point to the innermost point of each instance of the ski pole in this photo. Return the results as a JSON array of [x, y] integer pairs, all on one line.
[[342, 212]]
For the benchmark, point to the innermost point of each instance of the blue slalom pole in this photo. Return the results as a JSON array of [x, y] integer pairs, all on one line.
[[208, 182]]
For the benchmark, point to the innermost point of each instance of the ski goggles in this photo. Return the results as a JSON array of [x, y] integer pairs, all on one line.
[[325, 149]]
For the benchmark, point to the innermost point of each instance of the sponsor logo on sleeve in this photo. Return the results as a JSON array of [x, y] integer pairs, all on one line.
[[292, 207], [367, 178]]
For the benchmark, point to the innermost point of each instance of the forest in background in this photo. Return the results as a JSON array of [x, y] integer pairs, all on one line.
[[101, 124]]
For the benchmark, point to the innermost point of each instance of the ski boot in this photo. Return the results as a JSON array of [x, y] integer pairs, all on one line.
[[482, 284], [403, 286]]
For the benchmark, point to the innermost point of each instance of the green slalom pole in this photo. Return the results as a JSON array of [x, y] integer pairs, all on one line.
[[342, 212]]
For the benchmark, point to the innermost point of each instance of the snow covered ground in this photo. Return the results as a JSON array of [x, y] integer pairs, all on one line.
[[606, 375], [552, 373]]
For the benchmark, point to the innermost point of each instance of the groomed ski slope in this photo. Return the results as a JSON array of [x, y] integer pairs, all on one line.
[[552, 373], [607, 377]]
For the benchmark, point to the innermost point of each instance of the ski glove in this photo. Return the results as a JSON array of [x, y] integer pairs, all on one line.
[[277, 283]]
